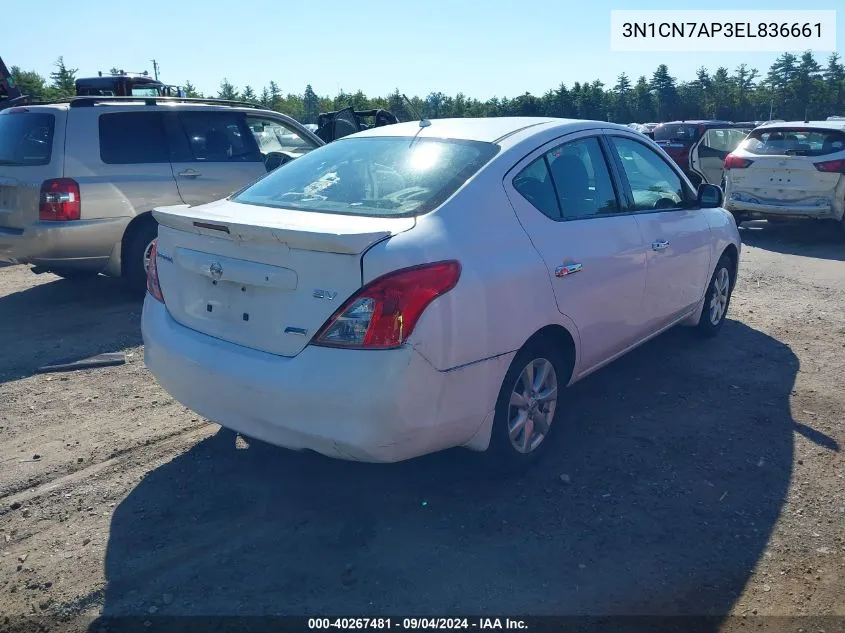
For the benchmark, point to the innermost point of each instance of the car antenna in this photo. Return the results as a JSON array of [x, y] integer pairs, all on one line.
[[423, 122]]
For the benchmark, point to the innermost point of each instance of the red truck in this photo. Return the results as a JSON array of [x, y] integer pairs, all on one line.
[[120, 85]]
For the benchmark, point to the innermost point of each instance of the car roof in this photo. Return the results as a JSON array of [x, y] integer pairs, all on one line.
[[696, 122], [500, 130], [831, 125]]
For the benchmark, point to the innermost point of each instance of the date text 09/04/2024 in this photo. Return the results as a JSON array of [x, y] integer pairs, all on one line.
[[416, 624]]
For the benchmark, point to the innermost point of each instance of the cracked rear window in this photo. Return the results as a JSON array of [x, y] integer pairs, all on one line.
[[786, 141]]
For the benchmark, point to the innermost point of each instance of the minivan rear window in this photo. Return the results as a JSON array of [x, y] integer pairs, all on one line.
[[372, 176], [678, 132], [798, 141], [26, 138]]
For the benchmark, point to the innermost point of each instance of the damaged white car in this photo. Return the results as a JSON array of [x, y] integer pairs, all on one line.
[[788, 171]]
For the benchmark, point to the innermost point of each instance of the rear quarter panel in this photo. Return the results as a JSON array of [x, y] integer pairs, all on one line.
[[504, 294]]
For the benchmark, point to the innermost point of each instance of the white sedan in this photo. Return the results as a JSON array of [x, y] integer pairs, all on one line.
[[435, 284]]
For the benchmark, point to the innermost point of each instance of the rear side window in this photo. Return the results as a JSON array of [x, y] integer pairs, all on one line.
[[784, 141], [131, 138], [216, 137], [534, 183], [570, 182], [372, 176], [26, 138]]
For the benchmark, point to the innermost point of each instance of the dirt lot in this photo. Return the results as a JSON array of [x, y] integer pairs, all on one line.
[[701, 477]]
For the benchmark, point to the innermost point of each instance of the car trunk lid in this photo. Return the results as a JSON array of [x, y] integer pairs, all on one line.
[[784, 177], [261, 277]]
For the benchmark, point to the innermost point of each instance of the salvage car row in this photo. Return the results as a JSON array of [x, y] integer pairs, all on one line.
[[402, 290]]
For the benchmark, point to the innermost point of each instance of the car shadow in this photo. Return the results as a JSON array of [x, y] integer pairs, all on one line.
[[64, 320], [658, 497], [808, 239]]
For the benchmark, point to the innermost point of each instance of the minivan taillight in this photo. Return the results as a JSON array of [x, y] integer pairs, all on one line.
[[153, 286], [383, 314], [735, 162], [59, 200], [831, 166]]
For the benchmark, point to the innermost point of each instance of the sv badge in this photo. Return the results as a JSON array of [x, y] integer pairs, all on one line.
[[324, 294]]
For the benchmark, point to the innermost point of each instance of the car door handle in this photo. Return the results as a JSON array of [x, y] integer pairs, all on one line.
[[190, 173], [568, 269], [659, 245]]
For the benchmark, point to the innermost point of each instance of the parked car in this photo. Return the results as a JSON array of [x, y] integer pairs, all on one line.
[[788, 171], [79, 179], [429, 285], [700, 147]]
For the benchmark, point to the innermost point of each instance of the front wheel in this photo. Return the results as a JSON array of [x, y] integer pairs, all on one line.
[[717, 299], [528, 407]]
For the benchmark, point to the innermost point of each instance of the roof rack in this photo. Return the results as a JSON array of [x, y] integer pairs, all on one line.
[[83, 102]]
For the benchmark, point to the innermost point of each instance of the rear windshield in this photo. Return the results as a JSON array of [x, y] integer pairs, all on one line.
[[26, 138], [678, 132], [374, 176], [781, 141]]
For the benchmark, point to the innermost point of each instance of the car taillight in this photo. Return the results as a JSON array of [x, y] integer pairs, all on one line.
[[60, 200], [735, 162], [383, 314], [153, 286], [832, 166]]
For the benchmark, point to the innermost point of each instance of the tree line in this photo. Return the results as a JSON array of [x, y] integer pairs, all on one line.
[[794, 87]]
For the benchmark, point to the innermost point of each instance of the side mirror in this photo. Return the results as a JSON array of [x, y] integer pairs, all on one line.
[[274, 160], [710, 196]]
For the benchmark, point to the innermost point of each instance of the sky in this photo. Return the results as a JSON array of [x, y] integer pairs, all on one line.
[[481, 48]]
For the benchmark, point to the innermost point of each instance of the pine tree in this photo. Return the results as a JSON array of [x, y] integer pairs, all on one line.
[[310, 105], [64, 78], [227, 91], [248, 94], [191, 91]]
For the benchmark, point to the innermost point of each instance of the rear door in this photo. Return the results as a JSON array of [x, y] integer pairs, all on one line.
[[707, 156], [565, 199], [213, 152], [120, 160], [675, 232], [31, 151]]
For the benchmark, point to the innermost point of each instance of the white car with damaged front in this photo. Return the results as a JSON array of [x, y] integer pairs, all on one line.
[[788, 170], [422, 286]]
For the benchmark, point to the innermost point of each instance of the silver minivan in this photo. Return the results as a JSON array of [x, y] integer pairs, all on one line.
[[79, 179]]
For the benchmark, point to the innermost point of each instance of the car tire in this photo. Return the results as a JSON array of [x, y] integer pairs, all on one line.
[[511, 451], [137, 248], [717, 299], [74, 275]]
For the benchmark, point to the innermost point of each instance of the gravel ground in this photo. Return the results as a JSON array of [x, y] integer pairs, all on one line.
[[692, 478]]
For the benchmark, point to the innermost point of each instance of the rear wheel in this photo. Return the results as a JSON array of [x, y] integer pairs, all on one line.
[[528, 407], [136, 255], [717, 299]]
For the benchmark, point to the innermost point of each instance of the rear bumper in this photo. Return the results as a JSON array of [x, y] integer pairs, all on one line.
[[78, 244], [375, 406], [828, 205]]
